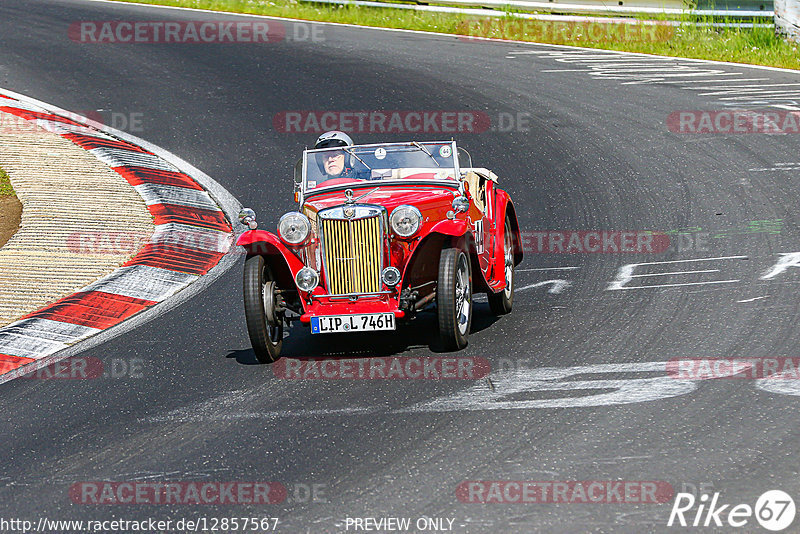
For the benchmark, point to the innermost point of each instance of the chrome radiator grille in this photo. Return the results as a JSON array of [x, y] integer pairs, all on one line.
[[353, 254]]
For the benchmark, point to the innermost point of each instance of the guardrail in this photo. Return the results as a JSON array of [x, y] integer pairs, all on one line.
[[787, 18], [740, 9]]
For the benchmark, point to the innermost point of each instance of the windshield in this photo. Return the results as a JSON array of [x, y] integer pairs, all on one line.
[[385, 162]]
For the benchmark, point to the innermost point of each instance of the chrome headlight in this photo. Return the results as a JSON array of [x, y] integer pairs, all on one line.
[[294, 228], [306, 279], [405, 220]]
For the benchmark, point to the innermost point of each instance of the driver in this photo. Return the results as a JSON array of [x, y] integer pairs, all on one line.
[[333, 164]]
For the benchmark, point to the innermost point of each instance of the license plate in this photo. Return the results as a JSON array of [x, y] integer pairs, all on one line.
[[366, 322]]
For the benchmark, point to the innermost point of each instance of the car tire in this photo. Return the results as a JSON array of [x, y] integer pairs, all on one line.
[[454, 298], [501, 303], [266, 338]]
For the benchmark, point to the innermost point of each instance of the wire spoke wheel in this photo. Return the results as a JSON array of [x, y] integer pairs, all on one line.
[[264, 323], [454, 298]]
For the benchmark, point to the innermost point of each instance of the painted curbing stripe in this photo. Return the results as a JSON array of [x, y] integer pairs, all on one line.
[[131, 289], [114, 157], [169, 194], [172, 213], [94, 309], [90, 142], [38, 115], [142, 175], [24, 106], [192, 237], [36, 338], [9, 363], [180, 259], [64, 129], [143, 282]]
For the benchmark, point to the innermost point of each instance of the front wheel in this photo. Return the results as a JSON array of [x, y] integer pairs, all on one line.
[[500, 303], [454, 298], [264, 324]]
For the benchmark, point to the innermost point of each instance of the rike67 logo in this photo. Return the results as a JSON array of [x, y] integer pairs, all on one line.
[[774, 510]]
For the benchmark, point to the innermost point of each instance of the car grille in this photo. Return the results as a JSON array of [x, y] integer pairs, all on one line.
[[353, 254]]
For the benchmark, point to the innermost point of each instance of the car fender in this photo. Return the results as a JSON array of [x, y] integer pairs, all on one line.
[[505, 208], [282, 261]]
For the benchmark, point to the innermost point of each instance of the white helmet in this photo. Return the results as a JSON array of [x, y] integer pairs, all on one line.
[[333, 138]]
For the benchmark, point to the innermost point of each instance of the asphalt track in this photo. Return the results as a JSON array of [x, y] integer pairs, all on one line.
[[598, 155]]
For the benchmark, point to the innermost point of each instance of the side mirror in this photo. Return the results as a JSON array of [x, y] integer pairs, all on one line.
[[248, 218], [460, 204]]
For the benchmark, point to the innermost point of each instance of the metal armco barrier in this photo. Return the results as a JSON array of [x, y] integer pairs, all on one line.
[[746, 9]]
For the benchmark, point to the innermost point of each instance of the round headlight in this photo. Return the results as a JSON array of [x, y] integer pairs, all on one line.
[[405, 220], [294, 228], [306, 279]]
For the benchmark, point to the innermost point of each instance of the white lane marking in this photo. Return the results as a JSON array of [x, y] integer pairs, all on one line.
[[508, 387], [715, 81], [681, 284], [791, 259], [625, 274], [143, 282], [170, 194], [674, 272], [777, 167], [781, 386], [752, 299], [548, 269], [117, 157], [557, 286], [759, 88]]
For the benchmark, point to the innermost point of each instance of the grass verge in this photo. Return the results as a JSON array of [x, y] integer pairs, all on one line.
[[5, 185], [757, 46], [10, 209]]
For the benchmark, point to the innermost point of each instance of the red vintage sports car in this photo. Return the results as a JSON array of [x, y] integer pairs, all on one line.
[[401, 227]]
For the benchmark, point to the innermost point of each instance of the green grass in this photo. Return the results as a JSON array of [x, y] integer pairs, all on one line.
[[758, 46], [5, 185]]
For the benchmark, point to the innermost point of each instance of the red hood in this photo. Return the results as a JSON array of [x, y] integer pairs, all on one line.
[[424, 198]]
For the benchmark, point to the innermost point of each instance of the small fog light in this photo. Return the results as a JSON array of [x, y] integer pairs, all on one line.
[[306, 279], [391, 276]]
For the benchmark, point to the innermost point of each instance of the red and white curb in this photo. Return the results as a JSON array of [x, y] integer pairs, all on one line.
[[187, 251]]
